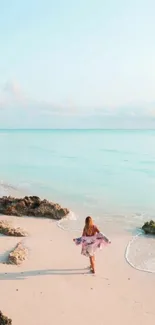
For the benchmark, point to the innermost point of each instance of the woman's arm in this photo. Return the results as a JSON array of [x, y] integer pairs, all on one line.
[[84, 232], [97, 230]]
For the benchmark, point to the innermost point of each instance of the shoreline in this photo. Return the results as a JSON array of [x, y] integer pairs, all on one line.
[[134, 217], [83, 208], [54, 285]]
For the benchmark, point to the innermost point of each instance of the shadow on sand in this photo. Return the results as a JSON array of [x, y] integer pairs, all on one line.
[[26, 274]]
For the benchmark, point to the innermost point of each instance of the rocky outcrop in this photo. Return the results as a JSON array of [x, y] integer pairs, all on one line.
[[149, 227], [18, 255], [4, 320], [7, 230], [31, 206]]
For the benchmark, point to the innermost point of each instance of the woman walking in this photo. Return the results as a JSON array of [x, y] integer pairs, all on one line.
[[89, 230], [91, 240]]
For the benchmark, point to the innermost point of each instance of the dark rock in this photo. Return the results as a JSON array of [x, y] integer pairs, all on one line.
[[34, 198], [4, 320], [11, 211], [18, 255], [30, 213], [7, 230], [149, 227], [62, 212], [21, 205], [31, 206]]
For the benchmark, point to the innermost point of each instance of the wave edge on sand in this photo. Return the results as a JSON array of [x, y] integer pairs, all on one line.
[[145, 256]]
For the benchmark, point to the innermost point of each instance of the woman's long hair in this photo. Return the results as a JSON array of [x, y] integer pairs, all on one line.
[[88, 223]]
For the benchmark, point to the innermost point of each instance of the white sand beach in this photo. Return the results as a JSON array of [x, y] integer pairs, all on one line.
[[54, 286]]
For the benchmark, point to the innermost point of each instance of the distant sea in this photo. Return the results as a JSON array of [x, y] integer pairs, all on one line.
[[104, 173]]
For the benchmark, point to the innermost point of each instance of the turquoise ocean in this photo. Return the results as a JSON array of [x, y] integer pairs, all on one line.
[[94, 172], [108, 174]]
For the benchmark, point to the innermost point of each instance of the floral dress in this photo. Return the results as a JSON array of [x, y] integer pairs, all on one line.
[[91, 242]]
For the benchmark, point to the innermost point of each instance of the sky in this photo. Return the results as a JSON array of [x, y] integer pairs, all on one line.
[[85, 63]]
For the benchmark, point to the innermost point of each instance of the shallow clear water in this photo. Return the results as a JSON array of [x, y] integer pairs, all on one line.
[[140, 253], [94, 172]]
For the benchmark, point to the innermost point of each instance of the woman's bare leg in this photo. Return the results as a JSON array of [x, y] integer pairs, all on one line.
[[92, 263]]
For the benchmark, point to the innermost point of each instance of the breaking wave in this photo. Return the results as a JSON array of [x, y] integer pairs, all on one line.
[[140, 252]]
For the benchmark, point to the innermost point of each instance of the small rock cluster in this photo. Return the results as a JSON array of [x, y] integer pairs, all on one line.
[[31, 206], [7, 230], [4, 320], [20, 252], [18, 255], [149, 227]]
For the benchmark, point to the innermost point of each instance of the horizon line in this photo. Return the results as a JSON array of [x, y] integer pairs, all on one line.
[[77, 129]]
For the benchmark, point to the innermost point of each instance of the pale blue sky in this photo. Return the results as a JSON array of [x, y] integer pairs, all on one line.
[[85, 57]]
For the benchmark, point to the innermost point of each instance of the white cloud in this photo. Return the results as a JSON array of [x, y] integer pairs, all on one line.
[[12, 88], [14, 101]]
